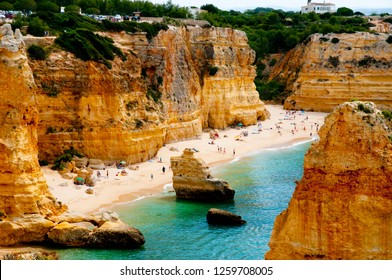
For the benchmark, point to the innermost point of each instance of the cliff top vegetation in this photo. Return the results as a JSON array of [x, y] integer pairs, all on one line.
[[275, 31], [269, 31]]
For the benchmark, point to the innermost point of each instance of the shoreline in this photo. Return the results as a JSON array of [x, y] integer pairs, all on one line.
[[159, 189], [138, 184]]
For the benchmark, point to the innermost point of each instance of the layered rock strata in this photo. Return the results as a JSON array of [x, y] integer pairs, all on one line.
[[168, 89], [23, 189], [28, 211], [330, 69], [192, 180], [342, 207]]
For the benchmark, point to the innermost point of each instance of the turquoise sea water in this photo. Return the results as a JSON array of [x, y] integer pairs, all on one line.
[[177, 230]]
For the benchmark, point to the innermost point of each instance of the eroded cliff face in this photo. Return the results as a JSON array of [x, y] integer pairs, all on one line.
[[163, 92], [23, 189], [328, 70], [342, 207]]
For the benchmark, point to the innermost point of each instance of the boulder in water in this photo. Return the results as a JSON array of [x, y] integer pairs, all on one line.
[[221, 217]]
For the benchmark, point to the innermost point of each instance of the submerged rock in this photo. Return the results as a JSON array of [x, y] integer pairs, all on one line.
[[192, 180], [221, 217]]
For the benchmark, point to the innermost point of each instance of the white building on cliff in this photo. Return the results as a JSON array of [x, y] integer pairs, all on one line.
[[318, 8]]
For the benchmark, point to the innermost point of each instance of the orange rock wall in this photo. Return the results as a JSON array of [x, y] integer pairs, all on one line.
[[320, 74], [341, 208], [23, 188], [108, 114]]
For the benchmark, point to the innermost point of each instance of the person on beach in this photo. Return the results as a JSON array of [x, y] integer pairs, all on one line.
[[163, 169], [152, 177], [233, 152], [107, 173], [98, 174]]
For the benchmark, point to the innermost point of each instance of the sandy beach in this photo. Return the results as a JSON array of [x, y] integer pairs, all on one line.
[[281, 129]]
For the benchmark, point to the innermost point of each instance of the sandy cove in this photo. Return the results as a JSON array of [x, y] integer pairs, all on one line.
[[138, 183]]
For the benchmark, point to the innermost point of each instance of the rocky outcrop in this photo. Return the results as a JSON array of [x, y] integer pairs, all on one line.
[[342, 207], [327, 70], [23, 189], [168, 89], [109, 235], [99, 231], [27, 254], [116, 235], [222, 217], [71, 230], [24, 229], [192, 180]]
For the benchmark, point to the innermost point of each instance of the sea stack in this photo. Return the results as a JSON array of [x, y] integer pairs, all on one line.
[[342, 207], [192, 180]]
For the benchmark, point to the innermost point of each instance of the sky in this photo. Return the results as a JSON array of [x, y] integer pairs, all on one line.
[[250, 4]]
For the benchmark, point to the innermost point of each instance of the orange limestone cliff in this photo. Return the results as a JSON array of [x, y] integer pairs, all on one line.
[[23, 189], [28, 211], [327, 70], [342, 207], [168, 89]]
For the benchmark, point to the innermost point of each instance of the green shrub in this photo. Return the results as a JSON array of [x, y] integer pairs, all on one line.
[[131, 105], [131, 26], [36, 52], [212, 70], [138, 123], [6, 6], [272, 62], [387, 114], [92, 11], [43, 162], [160, 80], [89, 46], [60, 22], [334, 61], [48, 6], [335, 40], [37, 27], [59, 163], [324, 39], [50, 90], [72, 9], [50, 129], [154, 94], [362, 107], [19, 21], [389, 20], [269, 90], [366, 61]]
